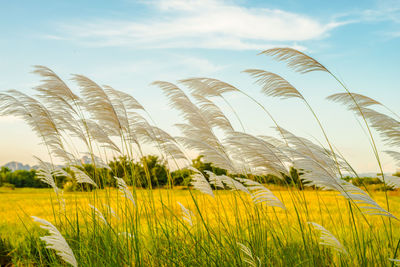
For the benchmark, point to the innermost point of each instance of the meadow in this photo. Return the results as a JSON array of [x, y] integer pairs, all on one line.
[[316, 218], [231, 216]]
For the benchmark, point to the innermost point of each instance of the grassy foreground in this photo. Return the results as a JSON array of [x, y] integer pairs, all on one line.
[[156, 231]]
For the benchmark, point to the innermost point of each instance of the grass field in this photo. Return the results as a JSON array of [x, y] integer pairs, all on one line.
[[228, 218], [244, 223]]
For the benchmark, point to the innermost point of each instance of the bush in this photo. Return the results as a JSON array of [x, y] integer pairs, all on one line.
[[9, 186], [71, 187]]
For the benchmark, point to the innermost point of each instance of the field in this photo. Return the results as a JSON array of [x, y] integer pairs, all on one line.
[[277, 236]]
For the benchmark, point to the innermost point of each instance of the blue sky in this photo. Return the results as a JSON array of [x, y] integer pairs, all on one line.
[[128, 44]]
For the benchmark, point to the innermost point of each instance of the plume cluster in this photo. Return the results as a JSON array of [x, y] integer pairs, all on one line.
[[251, 260], [56, 241], [328, 239]]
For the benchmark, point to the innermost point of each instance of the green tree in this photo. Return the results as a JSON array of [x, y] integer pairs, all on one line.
[[207, 166]]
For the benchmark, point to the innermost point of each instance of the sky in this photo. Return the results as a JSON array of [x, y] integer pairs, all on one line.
[[128, 44]]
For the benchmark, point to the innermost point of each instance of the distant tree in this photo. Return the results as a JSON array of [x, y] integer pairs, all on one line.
[[294, 178], [3, 174], [138, 173], [207, 166]]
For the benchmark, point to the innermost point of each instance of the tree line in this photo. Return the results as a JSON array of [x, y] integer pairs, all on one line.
[[149, 170]]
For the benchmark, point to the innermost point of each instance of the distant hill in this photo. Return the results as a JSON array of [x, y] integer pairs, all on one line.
[[14, 166]]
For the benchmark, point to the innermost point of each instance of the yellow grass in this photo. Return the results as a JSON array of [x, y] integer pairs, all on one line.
[[327, 208]]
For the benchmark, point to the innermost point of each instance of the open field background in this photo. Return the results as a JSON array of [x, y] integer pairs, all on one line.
[[231, 216]]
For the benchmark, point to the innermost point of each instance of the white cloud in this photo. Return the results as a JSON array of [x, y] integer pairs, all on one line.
[[201, 24]]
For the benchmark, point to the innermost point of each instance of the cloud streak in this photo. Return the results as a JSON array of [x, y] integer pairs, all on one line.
[[209, 24]]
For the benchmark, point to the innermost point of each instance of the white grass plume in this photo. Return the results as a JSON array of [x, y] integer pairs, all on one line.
[[213, 114], [214, 154], [258, 153], [353, 101], [395, 155], [215, 180], [98, 103], [187, 215], [228, 181], [262, 195], [99, 135], [295, 59], [82, 177], [199, 182], [387, 126], [53, 86], [98, 214], [123, 188], [395, 261], [47, 172], [320, 170], [35, 114], [328, 239], [251, 260], [274, 85], [154, 135], [393, 181], [208, 87], [56, 241]]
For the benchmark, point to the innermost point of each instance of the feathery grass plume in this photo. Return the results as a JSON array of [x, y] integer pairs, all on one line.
[[208, 87], [251, 260], [320, 170], [187, 215], [96, 161], [99, 135], [111, 211], [199, 182], [215, 180], [125, 107], [82, 177], [198, 132], [328, 239], [53, 87], [302, 148], [37, 116], [295, 59], [128, 101], [353, 101], [60, 100], [387, 126], [228, 181], [211, 153], [56, 241], [392, 181], [198, 124], [98, 214], [46, 173], [273, 84], [123, 188], [258, 153], [395, 155], [260, 194], [317, 175], [214, 115], [98, 103], [180, 101], [395, 261], [126, 234], [153, 135]]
